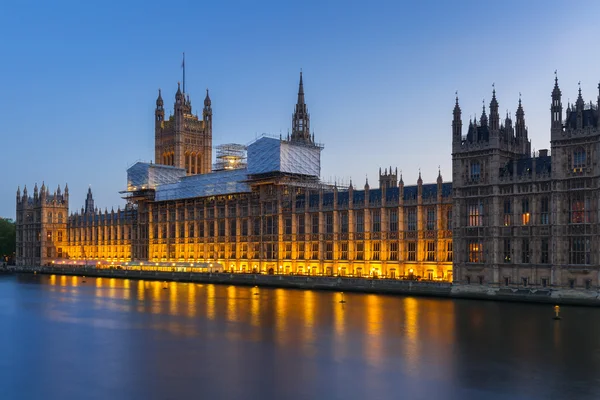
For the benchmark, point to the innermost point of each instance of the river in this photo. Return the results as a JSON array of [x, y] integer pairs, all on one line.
[[99, 338]]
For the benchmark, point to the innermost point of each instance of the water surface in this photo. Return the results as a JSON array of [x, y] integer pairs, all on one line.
[[62, 338]]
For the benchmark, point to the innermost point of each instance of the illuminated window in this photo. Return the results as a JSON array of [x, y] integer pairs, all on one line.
[[300, 251], [344, 250], [329, 251], [359, 221], [475, 249], [360, 251], [329, 222], [475, 213], [393, 251], [579, 209], [449, 252], [525, 215], [287, 223], [315, 223], [412, 251], [431, 251], [315, 251], [376, 251], [507, 212]]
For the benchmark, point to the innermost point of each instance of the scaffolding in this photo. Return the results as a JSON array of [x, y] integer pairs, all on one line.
[[230, 156]]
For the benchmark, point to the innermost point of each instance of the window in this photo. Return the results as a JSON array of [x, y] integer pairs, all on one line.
[[221, 226], [376, 251], [393, 220], [412, 251], [49, 217], [579, 209], [545, 211], [301, 251], [360, 224], [524, 280], [475, 213], [475, 171], [475, 249], [507, 212], [545, 253], [288, 251], [360, 251], [315, 251], [430, 251], [411, 220], [506, 281], [431, 219], [301, 226], [578, 159], [60, 236], [580, 250], [525, 215], [49, 235], [329, 222], [375, 221], [315, 223], [344, 222], [60, 218], [507, 253], [449, 219], [449, 255], [544, 282], [244, 251], [344, 250], [572, 283], [393, 251], [329, 251], [525, 251]]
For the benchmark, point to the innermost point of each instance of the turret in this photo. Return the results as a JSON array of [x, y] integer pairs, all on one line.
[[579, 105], [207, 112], [35, 192], [494, 114], [456, 123], [556, 107], [18, 194], [159, 113], [301, 118], [89, 202], [66, 195]]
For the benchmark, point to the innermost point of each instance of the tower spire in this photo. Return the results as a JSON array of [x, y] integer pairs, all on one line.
[[301, 90], [301, 118]]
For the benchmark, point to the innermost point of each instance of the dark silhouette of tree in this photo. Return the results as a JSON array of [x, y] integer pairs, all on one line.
[[8, 240]]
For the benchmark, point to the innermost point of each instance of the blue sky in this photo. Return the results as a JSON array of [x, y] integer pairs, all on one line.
[[79, 80]]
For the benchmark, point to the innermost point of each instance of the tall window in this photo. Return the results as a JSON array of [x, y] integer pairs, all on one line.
[[507, 251], [475, 171], [301, 251], [412, 251], [579, 209], [449, 252], [376, 220], [578, 159], [545, 253], [329, 222], [525, 251], [288, 251], [376, 253], [329, 250], [580, 250], [475, 249], [344, 250], [525, 214], [344, 222], [449, 219], [393, 219], [301, 226], [430, 251], [430, 219], [411, 220], [287, 223], [507, 212], [545, 211], [360, 222], [360, 251], [315, 223], [475, 213], [393, 251], [315, 251]]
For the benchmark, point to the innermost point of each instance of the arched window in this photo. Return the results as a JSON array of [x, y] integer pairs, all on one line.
[[60, 219], [578, 158], [49, 217]]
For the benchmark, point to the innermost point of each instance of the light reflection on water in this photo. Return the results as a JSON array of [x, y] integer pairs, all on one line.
[[176, 340]]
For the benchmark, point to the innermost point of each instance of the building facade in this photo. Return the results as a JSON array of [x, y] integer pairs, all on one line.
[[523, 219], [271, 216]]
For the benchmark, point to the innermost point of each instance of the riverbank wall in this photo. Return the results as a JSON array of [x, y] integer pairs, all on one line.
[[345, 284]]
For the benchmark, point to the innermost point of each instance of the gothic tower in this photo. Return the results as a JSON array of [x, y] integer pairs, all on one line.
[[183, 140], [301, 118]]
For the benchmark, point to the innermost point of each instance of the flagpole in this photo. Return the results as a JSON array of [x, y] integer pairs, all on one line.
[[183, 66]]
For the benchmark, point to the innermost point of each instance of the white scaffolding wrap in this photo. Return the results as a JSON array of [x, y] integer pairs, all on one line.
[[268, 155], [215, 183], [143, 175]]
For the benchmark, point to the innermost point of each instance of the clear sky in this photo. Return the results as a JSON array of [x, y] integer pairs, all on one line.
[[79, 79]]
